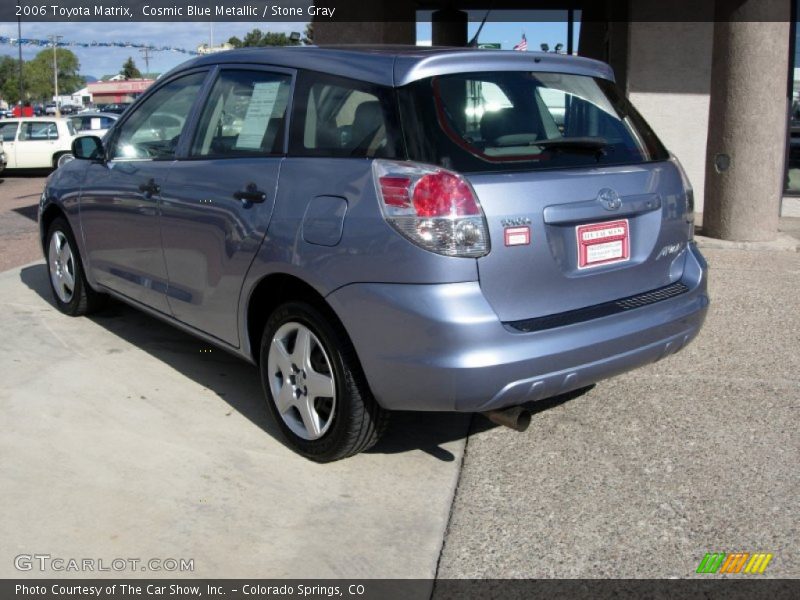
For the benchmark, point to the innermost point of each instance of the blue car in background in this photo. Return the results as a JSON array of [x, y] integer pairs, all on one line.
[[384, 229]]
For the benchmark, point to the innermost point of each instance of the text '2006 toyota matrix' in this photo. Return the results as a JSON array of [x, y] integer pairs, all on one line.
[[387, 229]]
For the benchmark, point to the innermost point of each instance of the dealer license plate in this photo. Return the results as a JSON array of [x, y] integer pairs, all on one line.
[[603, 243]]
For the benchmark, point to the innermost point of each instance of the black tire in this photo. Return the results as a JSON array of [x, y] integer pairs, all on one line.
[[57, 158], [82, 300], [357, 420]]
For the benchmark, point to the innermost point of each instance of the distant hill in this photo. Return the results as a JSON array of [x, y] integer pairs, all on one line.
[[89, 78]]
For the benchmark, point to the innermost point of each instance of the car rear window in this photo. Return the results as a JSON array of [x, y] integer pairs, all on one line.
[[523, 120]]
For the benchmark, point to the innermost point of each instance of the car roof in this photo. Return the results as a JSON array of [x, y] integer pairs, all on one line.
[[399, 65]]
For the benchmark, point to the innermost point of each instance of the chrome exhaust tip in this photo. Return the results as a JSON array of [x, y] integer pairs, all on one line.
[[514, 417]]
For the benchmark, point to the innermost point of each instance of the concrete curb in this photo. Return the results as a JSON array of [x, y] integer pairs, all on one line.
[[782, 242]]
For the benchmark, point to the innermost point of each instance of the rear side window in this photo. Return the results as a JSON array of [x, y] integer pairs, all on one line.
[[523, 120], [38, 131], [339, 117], [244, 115]]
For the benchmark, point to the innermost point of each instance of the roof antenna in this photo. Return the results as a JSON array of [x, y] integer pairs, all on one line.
[[473, 43]]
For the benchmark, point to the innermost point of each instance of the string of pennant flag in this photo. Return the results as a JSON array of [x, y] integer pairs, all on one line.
[[62, 44]]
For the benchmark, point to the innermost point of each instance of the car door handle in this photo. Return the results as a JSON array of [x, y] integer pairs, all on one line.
[[150, 188], [250, 194]]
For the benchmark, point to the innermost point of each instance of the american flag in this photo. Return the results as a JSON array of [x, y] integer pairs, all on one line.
[[523, 45]]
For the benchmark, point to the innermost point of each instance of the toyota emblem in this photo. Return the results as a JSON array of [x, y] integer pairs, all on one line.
[[609, 199]]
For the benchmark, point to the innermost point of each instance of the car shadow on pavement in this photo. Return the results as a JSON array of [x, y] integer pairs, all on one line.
[[237, 382], [232, 379], [428, 431], [29, 212]]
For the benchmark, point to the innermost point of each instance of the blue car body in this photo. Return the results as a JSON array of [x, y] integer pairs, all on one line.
[[536, 312]]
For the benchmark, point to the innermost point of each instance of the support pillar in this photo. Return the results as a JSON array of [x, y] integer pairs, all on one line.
[[747, 120], [449, 27], [366, 32], [604, 36]]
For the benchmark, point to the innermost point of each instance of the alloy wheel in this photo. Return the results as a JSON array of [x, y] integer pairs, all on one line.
[[301, 381], [62, 266]]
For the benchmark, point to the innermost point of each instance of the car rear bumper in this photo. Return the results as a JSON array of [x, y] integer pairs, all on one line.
[[442, 347]]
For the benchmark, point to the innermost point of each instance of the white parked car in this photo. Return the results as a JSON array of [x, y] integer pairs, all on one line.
[[37, 142]]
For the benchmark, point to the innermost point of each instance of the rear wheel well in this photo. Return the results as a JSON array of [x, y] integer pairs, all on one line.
[[271, 292]]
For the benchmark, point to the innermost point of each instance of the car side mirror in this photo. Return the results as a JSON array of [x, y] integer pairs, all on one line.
[[88, 147]]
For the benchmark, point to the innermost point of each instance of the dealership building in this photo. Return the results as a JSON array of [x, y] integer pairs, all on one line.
[[713, 78], [118, 90]]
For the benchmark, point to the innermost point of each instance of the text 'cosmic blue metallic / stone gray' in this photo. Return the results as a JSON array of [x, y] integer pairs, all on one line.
[[385, 229]]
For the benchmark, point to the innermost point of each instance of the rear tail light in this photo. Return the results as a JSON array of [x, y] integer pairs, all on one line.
[[687, 188], [434, 208]]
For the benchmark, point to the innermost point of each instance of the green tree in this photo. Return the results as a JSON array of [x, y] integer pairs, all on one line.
[[9, 79], [262, 38], [38, 74], [308, 35], [129, 70]]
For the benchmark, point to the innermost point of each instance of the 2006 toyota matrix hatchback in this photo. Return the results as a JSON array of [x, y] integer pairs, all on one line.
[[387, 229]]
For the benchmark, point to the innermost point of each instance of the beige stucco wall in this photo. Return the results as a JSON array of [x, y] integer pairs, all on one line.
[[668, 80], [681, 121]]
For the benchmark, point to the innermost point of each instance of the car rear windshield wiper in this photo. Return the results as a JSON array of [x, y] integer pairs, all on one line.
[[574, 144]]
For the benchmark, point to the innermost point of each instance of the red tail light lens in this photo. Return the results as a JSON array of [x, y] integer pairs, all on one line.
[[444, 194], [434, 208], [395, 190]]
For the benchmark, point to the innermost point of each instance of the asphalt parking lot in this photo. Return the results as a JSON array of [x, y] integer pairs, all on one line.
[[645, 473], [19, 197], [123, 437]]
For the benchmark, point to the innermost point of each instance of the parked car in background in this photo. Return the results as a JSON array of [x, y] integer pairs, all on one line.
[[411, 229], [7, 113], [114, 108], [64, 109], [37, 142], [94, 123]]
